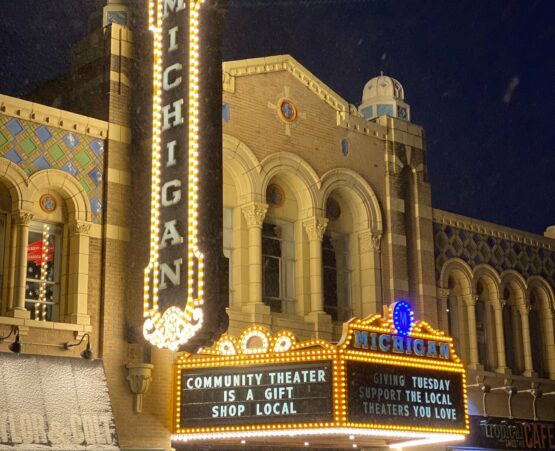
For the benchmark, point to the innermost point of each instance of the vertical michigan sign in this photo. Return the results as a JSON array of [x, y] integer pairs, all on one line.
[[186, 202]]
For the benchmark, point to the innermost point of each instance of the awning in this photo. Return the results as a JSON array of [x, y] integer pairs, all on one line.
[[54, 403]]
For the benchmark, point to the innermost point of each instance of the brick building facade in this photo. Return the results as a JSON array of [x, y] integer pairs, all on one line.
[[327, 214]]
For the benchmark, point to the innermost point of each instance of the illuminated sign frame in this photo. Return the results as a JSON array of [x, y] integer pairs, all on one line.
[[234, 352], [186, 166], [281, 348], [421, 330]]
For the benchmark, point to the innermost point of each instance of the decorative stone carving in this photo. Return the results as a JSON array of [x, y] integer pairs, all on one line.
[[364, 241], [471, 299], [22, 217], [139, 377], [254, 213], [376, 241], [80, 227], [370, 241], [443, 293], [315, 228]]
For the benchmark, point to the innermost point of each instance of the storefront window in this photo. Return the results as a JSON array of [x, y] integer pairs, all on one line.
[[42, 288]]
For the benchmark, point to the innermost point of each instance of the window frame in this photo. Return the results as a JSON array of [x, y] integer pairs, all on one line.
[[284, 303], [3, 253], [37, 226], [342, 307]]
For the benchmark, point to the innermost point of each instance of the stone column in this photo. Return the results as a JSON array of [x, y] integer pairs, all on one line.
[[254, 213], [470, 302], [526, 342], [20, 221], [369, 243], [500, 334], [78, 272], [550, 344], [315, 228], [442, 315]]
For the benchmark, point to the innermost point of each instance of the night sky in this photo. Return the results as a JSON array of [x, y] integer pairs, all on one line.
[[479, 76]]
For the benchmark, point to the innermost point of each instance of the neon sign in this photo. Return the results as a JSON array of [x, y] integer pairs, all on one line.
[[403, 317], [174, 290]]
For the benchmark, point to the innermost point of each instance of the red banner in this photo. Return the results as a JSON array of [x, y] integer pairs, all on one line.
[[35, 252]]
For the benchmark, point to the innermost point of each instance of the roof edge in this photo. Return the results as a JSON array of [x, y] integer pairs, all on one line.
[[279, 63]]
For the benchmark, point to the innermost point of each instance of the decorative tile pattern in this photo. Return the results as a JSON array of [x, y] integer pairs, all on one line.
[[34, 147], [3, 139], [476, 248], [13, 156], [14, 126], [43, 133]]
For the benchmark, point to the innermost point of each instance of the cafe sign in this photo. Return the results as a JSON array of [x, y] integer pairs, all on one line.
[[384, 378]]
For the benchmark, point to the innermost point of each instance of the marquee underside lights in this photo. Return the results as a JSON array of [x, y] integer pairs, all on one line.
[[174, 290], [272, 385]]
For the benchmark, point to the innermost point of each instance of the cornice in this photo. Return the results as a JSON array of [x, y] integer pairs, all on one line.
[[54, 117], [493, 230]]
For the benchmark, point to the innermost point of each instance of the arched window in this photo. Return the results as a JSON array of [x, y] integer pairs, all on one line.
[[485, 327], [512, 333], [226, 239], [336, 274], [44, 258], [453, 321], [537, 335], [278, 270], [481, 333], [5, 201], [458, 280], [2, 253], [452, 307]]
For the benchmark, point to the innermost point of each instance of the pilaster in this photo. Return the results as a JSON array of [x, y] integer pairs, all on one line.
[[254, 213], [315, 229], [78, 272], [21, 221], [369, 245]]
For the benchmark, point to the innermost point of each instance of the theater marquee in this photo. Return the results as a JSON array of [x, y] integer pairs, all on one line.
[[386, 381]]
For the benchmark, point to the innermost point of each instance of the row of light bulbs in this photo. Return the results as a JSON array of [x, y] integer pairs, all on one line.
[[176, 326], [312, 351]]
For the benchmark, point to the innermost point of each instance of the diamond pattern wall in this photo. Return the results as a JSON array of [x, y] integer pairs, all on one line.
[[33, 147], [476, 248]]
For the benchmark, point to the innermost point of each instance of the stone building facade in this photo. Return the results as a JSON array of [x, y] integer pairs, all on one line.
[[327, 214]]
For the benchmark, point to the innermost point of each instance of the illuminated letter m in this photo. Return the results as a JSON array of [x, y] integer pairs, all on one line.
[[361, 339], [173, 6]]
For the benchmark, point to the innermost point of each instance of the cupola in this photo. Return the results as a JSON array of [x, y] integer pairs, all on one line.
[[384, 96]]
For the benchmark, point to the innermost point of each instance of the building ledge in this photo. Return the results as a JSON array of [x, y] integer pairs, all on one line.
[[25, 323]]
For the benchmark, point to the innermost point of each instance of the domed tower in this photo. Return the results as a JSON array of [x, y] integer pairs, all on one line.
[[384, 95]]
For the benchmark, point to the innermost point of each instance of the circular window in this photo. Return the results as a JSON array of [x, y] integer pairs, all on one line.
[[333, 210], [275, 196], [47, 203], [287, 110]]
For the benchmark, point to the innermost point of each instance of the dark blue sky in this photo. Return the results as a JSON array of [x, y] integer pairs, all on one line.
[[479, 76]]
